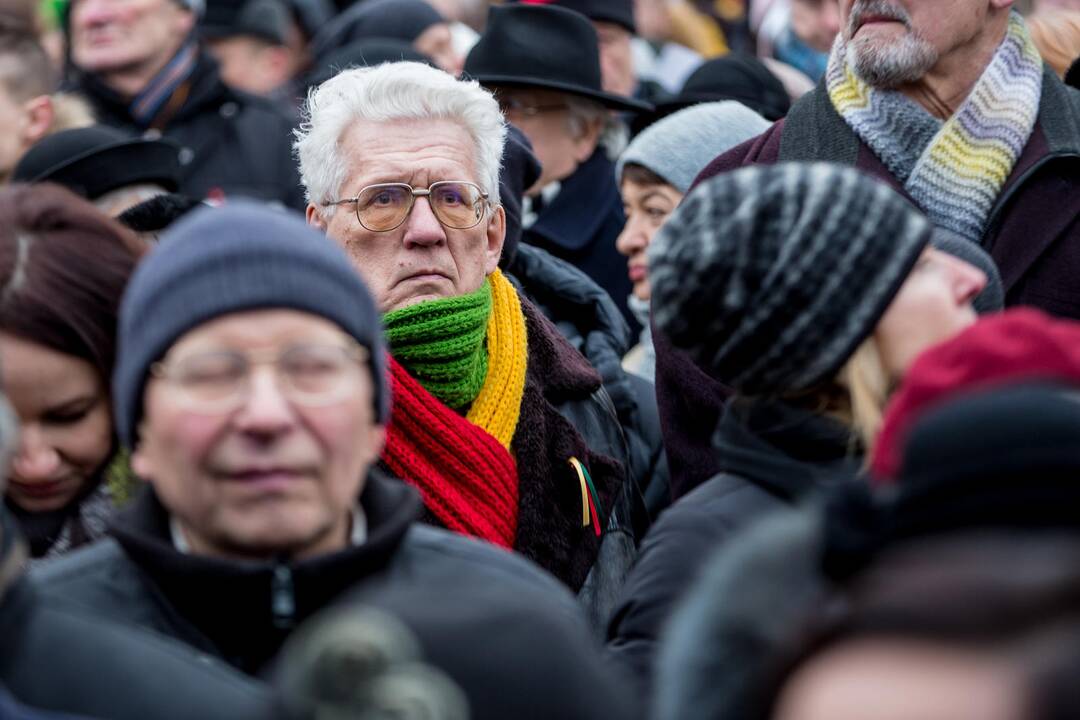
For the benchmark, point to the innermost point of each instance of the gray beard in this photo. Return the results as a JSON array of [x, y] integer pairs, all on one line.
[[888, 65]]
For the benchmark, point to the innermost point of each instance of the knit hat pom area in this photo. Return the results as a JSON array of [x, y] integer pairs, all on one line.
[[771, 277]]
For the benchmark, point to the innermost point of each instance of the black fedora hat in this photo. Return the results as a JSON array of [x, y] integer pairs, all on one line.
[[620, 12], [92, 161], [543, 47]]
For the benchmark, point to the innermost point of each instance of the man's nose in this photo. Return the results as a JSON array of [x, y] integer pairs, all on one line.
[[422, 228], [35, 459], [266, 409]]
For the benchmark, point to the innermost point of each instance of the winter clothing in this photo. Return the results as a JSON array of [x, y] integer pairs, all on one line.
[[520, 170], [744, 275], [362, 53], [241, 257], [1016, 346], [676, 147], [51, 534], [60, 659], [441, 342], [741, 78], [544, 47], [387, 19], [588, 318], [92, 161], [266, 20], [771, 455], [1031, 230], [12, 710], [580, 225], [641, 359], [956, 170], [231, 143], [486, 600], [462, 465], [618, 12]]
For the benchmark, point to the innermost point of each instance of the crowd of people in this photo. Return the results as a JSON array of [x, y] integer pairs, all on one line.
[[448, 359]]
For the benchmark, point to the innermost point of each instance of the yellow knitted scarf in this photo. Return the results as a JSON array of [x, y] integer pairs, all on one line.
[[498, 406]]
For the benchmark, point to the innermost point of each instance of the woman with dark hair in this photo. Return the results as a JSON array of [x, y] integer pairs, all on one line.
[[63, 268]]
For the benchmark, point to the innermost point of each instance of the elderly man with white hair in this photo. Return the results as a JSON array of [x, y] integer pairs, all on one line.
[[498, 421]]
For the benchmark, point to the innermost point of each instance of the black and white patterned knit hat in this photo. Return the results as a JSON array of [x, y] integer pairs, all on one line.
[[771, 277]]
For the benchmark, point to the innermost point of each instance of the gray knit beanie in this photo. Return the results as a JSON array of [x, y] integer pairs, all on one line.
[[679, 147], [771, 277], [245, 256]]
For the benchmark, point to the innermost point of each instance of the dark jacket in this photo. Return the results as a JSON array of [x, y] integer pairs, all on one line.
[[54, 657], [565, 412], [484, 605], [231, 143], [1033, 235], [587, 317], [581, 224], [12, 710], [771, 455]]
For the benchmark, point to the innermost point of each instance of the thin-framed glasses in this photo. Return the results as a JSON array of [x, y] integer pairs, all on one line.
[[513, 106], [219, 381], [457, 204]]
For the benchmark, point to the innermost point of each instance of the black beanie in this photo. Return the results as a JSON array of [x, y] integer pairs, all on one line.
[[244, 256], [520, 171], [771, 277]]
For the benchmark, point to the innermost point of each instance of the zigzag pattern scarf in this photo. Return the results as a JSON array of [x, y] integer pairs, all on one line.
[[954, 170], [462, 466]]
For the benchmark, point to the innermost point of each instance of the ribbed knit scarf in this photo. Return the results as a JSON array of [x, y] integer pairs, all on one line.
[[462, 466], [163, 87], [955, 169]]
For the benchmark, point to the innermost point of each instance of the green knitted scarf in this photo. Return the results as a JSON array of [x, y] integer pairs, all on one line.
[[442, 344]]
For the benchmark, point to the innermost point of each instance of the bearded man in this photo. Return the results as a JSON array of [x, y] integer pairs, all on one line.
[[502, 425], [951, 105]]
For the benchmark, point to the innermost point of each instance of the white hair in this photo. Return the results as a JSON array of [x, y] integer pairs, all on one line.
[[393, 92], [583, 112]]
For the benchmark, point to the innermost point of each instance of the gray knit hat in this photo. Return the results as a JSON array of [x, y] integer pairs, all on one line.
[[770, 277], [679, 147], [244, 256]]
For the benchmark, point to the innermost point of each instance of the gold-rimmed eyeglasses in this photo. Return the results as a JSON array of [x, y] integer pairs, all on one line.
[[218, 381], [457, 204]]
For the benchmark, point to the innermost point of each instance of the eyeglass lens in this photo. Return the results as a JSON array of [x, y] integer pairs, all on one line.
[[309, 374], [384, 207]]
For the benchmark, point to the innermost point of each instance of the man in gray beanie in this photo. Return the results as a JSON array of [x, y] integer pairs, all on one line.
[[251, 390]]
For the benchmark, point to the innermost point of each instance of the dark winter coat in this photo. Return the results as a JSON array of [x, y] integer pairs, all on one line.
[[1033, 235], [10, 709], [565, 413], [484, 605], [231, 143], [55, 657], [581, 225], [589, 319], [771, 455]]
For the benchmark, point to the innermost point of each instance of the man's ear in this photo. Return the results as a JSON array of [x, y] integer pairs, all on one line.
[[38, 114], [315, 217], [586, 143], [496, 234]]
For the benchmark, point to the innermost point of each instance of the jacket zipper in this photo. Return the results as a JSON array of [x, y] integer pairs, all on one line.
[[1020, 182], [282, 598]]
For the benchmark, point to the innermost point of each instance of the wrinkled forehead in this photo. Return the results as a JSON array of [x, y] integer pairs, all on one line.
[[416, 151]]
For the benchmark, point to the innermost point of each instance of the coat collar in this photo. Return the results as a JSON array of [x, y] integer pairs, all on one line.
[[587, 197], [235, 606]]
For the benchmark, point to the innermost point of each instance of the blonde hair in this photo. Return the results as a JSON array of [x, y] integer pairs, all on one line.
[[1056, 33]]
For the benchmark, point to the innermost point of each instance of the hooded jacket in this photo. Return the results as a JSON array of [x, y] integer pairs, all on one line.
[[483, 603], [771, 455], [56, 657], [231, 143]]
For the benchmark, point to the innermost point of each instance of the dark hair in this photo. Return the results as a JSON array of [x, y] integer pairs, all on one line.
[[25, 68], [1014, 594], [63, 269], [641, 175]]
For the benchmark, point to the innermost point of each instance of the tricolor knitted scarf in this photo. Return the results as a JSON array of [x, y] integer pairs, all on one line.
[[955, 169], [462, 466]]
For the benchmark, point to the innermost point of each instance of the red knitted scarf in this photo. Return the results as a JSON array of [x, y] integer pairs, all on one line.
[[467, 479]]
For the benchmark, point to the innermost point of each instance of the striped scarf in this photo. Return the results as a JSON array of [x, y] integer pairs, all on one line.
[[462, 466], [955, 169], [165, 86]]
